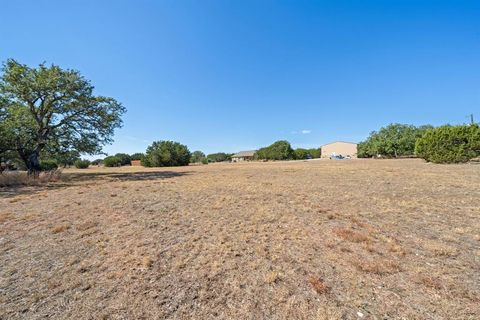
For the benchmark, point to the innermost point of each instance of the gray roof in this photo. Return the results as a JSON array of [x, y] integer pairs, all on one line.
[[244, 154]]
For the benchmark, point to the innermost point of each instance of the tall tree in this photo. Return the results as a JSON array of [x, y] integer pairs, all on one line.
[[50, 107]]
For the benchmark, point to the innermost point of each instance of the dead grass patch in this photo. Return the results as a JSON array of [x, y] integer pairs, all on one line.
[[319, 285], [60, 228], [351, 235], [377, 266], [86, 225]]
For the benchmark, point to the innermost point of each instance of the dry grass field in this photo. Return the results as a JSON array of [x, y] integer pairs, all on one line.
[[359, 239]]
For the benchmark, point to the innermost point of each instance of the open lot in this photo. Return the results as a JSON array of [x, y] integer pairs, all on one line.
[[370, 239]]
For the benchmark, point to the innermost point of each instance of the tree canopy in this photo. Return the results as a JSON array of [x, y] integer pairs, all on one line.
[[166, 154], [197, 157], [219, 157], [54, 109], [279, 150], [393, 140]]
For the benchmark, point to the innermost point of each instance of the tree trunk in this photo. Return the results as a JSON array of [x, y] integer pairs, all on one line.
[[33, 163]]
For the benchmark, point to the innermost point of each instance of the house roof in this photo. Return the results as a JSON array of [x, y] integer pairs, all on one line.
[[326, 144], [249, 153]]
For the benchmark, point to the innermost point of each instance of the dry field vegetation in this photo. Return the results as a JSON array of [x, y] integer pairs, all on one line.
[[369, 239]]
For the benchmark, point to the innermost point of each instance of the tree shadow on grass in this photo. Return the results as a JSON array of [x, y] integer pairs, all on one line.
[[122, 176], [76, 179]]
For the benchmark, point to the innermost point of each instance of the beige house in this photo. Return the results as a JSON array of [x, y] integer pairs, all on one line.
[[243, 156], [339, 148]]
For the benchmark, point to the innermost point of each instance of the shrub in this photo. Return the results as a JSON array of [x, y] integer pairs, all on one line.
[[197, 157], [17, 178], [301, 153], [48, 165], [204, 161], [166, 154], [279, 150], [137, 156], [112, 161], [219, 157], [124, 159], [449, 144], [82, 164], [96, 162]]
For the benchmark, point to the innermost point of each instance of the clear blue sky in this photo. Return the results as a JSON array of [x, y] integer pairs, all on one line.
[[235, 75]]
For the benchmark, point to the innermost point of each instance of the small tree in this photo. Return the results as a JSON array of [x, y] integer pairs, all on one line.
[[137, 156], [124, 159], [279, 150], [112, 161], [166, 154], [219, 157], [49, 107], [197, 157], [449, 144], [82, 164], [301, 154]]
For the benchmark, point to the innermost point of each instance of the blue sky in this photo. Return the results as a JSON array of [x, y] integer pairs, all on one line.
[[237, 75]]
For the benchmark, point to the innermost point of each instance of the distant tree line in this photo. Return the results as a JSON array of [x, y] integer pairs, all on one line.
[[444, 144]]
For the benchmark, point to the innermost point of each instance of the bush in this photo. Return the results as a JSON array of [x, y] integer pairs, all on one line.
[[166, 154], [124, 159], [112, 161], [219, 157], [197, 157], [449, 144], [96, 162], [82, 164], [48, 165], [204, 161], [137, 156], [279, 150]]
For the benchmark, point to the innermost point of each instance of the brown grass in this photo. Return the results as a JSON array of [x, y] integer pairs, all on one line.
[[319, 285], [20, 178], [351, 235], [283, 240]]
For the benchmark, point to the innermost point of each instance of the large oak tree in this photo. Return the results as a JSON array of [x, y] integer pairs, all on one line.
[[54, 109]]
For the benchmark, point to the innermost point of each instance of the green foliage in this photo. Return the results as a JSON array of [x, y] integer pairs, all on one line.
[[125, 159], [48, 165], [197, 157], [279, 150], [82, 164], [166, 154], [204, 160], [112, 161], [449, 144], [301, 153], [49, 108], [393, 140], [137, 156], [96, 162], [219, 157]]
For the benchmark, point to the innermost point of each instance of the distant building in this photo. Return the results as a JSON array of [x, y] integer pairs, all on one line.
[[339, 148], [243, 156]]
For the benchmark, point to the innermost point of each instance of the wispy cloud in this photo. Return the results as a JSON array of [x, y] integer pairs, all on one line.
[[304, 131]]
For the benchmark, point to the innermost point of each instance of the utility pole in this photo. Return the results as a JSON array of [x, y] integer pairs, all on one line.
[[471, 119]]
